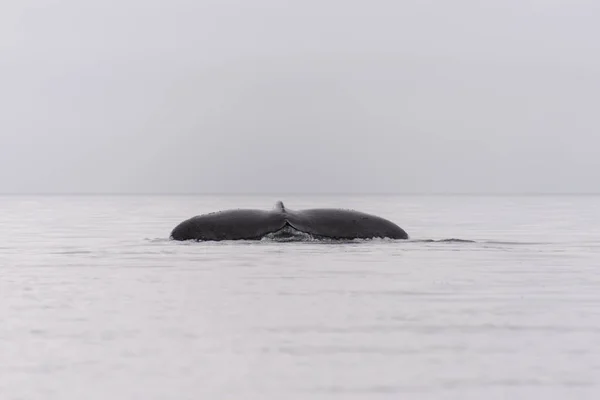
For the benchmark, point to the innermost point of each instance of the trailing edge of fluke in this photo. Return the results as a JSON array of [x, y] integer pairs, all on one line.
[[246, 224]]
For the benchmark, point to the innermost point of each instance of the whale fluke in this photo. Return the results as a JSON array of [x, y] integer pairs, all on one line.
[[251, 224]]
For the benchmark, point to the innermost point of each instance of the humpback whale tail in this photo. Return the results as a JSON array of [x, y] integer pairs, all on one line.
[[255, 224]]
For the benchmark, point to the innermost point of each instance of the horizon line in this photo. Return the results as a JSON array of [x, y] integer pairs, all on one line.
[[299, 193]]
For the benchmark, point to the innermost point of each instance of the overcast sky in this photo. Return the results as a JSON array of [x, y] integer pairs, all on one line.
[[299, 96]]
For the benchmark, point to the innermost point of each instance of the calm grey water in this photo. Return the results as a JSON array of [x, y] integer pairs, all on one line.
[[97, 303]]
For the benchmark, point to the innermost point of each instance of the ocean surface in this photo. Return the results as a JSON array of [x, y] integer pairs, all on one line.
[[97, 303]]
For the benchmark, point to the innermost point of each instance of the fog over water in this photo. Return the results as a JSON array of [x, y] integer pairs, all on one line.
[[168, 109], [305, 97]]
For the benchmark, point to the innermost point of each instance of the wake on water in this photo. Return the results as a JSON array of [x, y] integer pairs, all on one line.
[[294, 236]]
